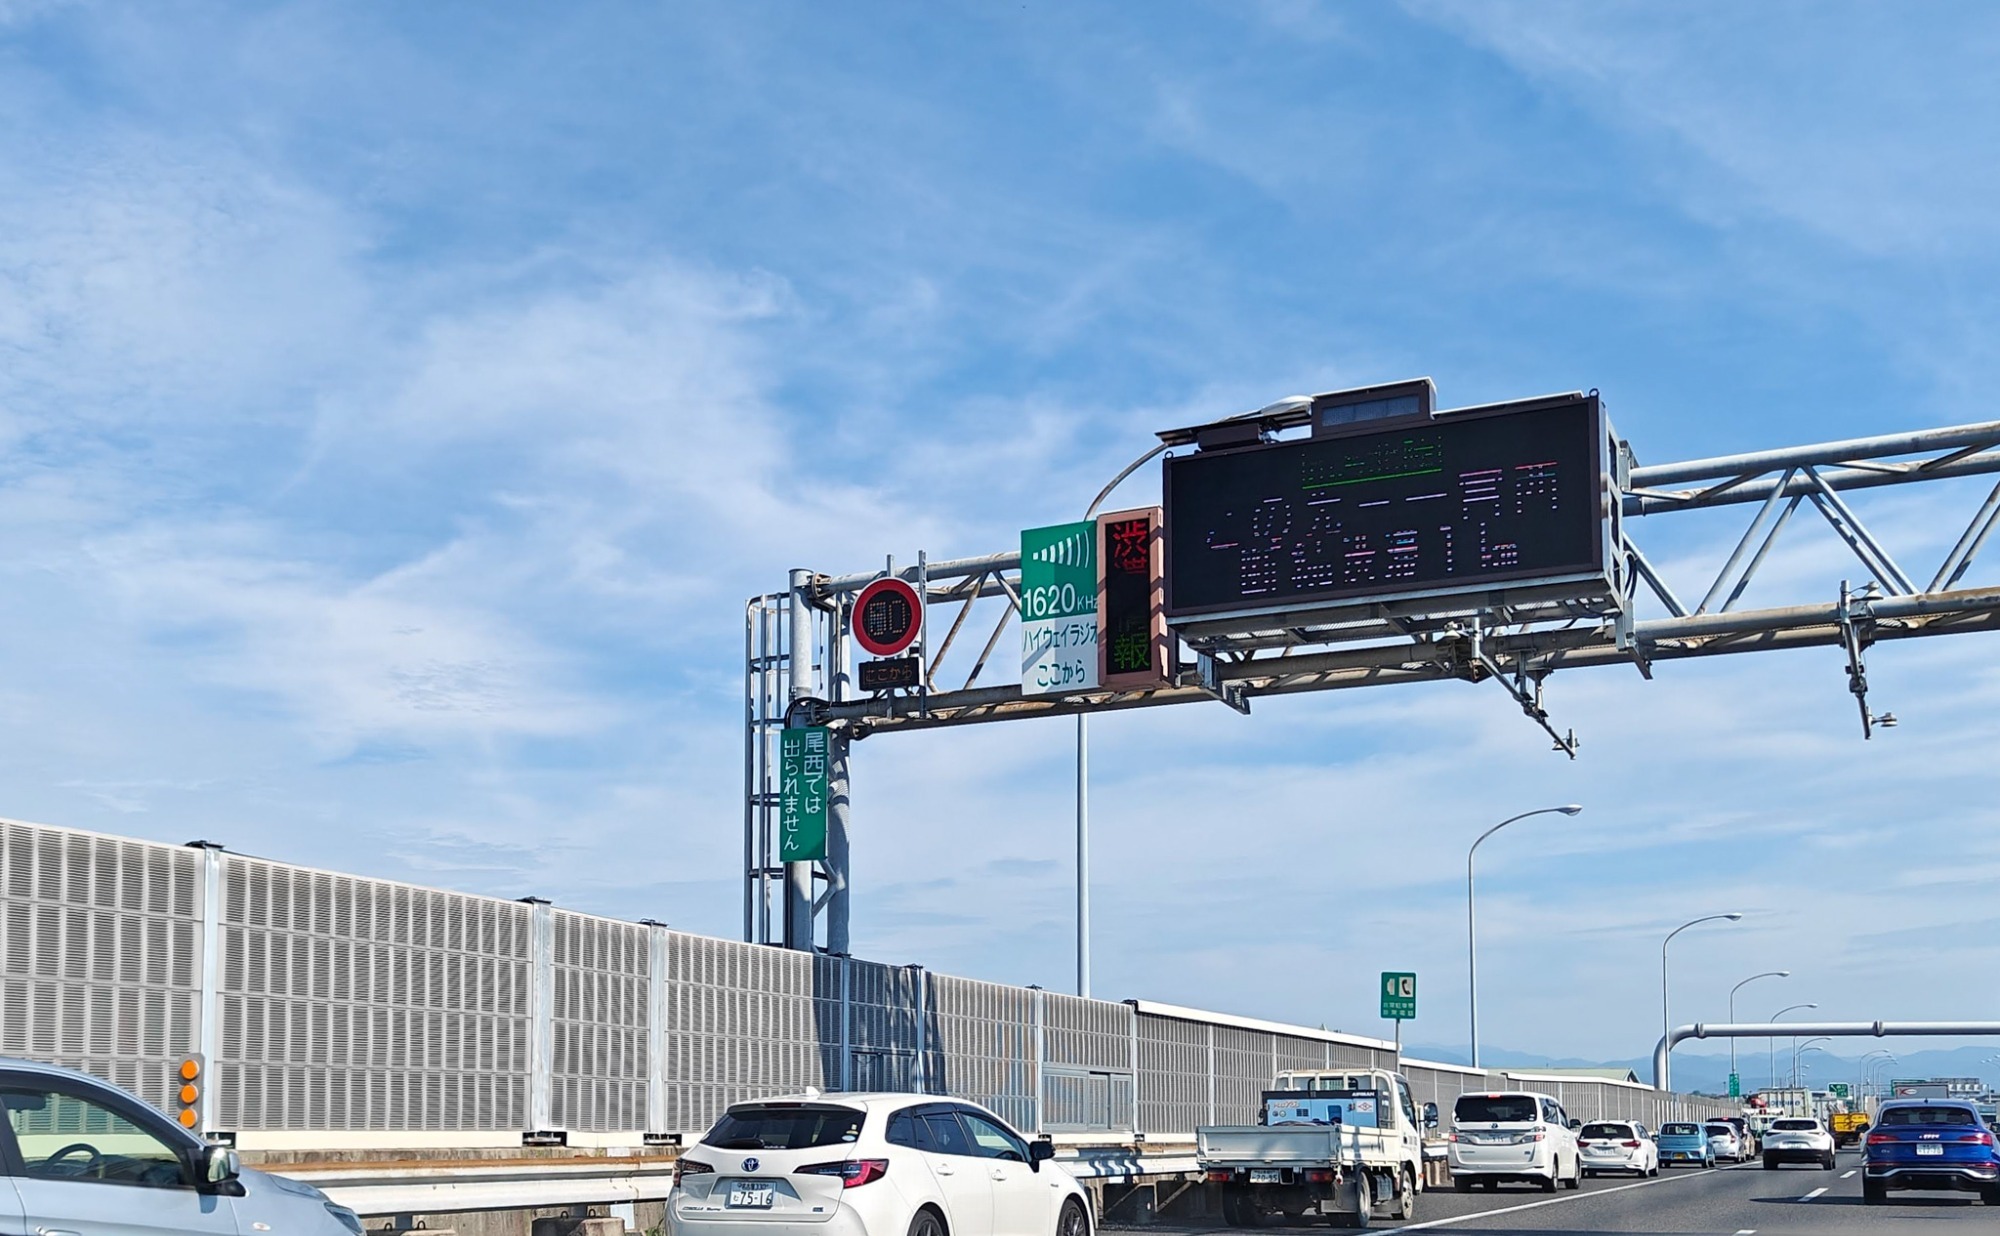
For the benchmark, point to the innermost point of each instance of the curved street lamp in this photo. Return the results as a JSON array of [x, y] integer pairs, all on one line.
[[1771, 1043], [1289, 403], [1471, 934], [1666, 1020], [1733, 1074], [1867, 1069], [1799, 1049]]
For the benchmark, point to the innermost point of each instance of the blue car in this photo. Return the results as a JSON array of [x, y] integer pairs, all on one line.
[[1930, 1144], [1685, 1144]]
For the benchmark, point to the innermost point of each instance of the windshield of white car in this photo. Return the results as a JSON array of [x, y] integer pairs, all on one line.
[[792, 1127], [1794, 1126], [1495, 1109], [1721, 1130], [1608, 1131]]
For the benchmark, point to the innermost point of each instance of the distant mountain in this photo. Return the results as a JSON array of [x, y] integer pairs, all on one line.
[[1709, 1073]]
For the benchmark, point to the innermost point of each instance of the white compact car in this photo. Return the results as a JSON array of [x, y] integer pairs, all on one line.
[[1617, 1146], [1724, 1141], [871, 1165], [78, 1156], [1795, 1139], [1520, 1136]]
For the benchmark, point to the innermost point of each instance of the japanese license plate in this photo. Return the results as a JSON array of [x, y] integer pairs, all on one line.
[[751, 1196], [1260, 1175], [1930, 1150]]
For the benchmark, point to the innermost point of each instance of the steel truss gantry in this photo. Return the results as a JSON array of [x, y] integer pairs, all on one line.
[[1386, 643]]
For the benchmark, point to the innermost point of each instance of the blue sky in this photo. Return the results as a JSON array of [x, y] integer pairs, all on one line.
[[397, 404]]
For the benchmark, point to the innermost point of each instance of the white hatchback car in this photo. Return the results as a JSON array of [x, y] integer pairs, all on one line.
[[1725, 1141], [871, 1165], [1617, 1146]]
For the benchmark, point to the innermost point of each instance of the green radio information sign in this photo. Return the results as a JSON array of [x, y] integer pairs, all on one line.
[[1059, 608], [1399, 995], [802, 794]]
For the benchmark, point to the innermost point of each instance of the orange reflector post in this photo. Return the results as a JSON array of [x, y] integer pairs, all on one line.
[[189, 1094], [187, 1117], [190, 1069]]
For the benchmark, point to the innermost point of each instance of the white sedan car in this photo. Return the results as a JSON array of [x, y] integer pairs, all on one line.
[[871, 1165], [1795, 1139], [1617, 1146]]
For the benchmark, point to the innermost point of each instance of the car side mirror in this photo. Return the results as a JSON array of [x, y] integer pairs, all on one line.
[[1430, 1115], [218, 1167], [1574, 1125], [1040, 1151]]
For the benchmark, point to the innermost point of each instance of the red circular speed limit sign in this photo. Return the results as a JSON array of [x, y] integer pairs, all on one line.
[[887, 617]]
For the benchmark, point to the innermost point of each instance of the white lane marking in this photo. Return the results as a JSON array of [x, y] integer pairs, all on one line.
[[1849, 1172], [1815, 1193], [1577, 1196], [1746, 1231]]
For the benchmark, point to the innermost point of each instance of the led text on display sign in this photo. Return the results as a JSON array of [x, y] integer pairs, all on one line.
[[1461, 502], [1132, 627], [888, 616]]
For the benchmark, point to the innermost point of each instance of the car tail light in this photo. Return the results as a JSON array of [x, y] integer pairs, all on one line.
[[690, 1167], [853, 1173], [1319, 1175], [1629, 1145], [1219, 1176], [1983, 1139], [1880, 1139], [1451, 1137]]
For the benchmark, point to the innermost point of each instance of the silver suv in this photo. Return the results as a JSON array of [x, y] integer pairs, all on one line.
[[80, 1156]]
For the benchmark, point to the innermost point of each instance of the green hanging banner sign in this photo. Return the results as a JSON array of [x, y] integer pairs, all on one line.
[[802, 794]]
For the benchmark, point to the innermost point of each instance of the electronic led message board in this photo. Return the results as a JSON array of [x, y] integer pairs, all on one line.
[[1462, 502]]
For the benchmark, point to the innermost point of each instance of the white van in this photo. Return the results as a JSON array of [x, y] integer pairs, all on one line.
[[1513, 1135]]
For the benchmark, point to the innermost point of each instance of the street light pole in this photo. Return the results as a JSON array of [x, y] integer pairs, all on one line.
[[1866, 1068], [1288, 403], [1666, 1023], [1798, 1048], [1770, 1041], [1471, 928], [1732, 1015]]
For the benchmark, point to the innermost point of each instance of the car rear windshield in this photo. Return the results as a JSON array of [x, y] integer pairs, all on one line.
[[1605, 1130], [1679, 1130], [1794, 1126], [1928, 1115], [1495, 1108], [794, 1126], [1715, 1129]]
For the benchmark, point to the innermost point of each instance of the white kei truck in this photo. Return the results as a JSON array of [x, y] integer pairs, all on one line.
[[1347, 1145]]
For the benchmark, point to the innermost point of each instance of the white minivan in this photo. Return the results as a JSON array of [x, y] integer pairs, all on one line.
[[79, 1157], [1513, 1135]]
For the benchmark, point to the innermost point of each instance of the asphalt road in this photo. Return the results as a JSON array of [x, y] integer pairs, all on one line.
[[1729, 1201]]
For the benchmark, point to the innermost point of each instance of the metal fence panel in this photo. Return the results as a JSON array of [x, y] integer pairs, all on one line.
[[1173, 1074], [100, 955], [985, 1038], [600, 972], [1242, 1071], [360, 1004]]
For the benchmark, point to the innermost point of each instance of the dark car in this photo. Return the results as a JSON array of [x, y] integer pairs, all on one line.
[[1930, 1144]]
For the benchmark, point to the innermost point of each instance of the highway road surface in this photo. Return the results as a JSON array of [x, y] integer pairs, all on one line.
[[1728, 1201]]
